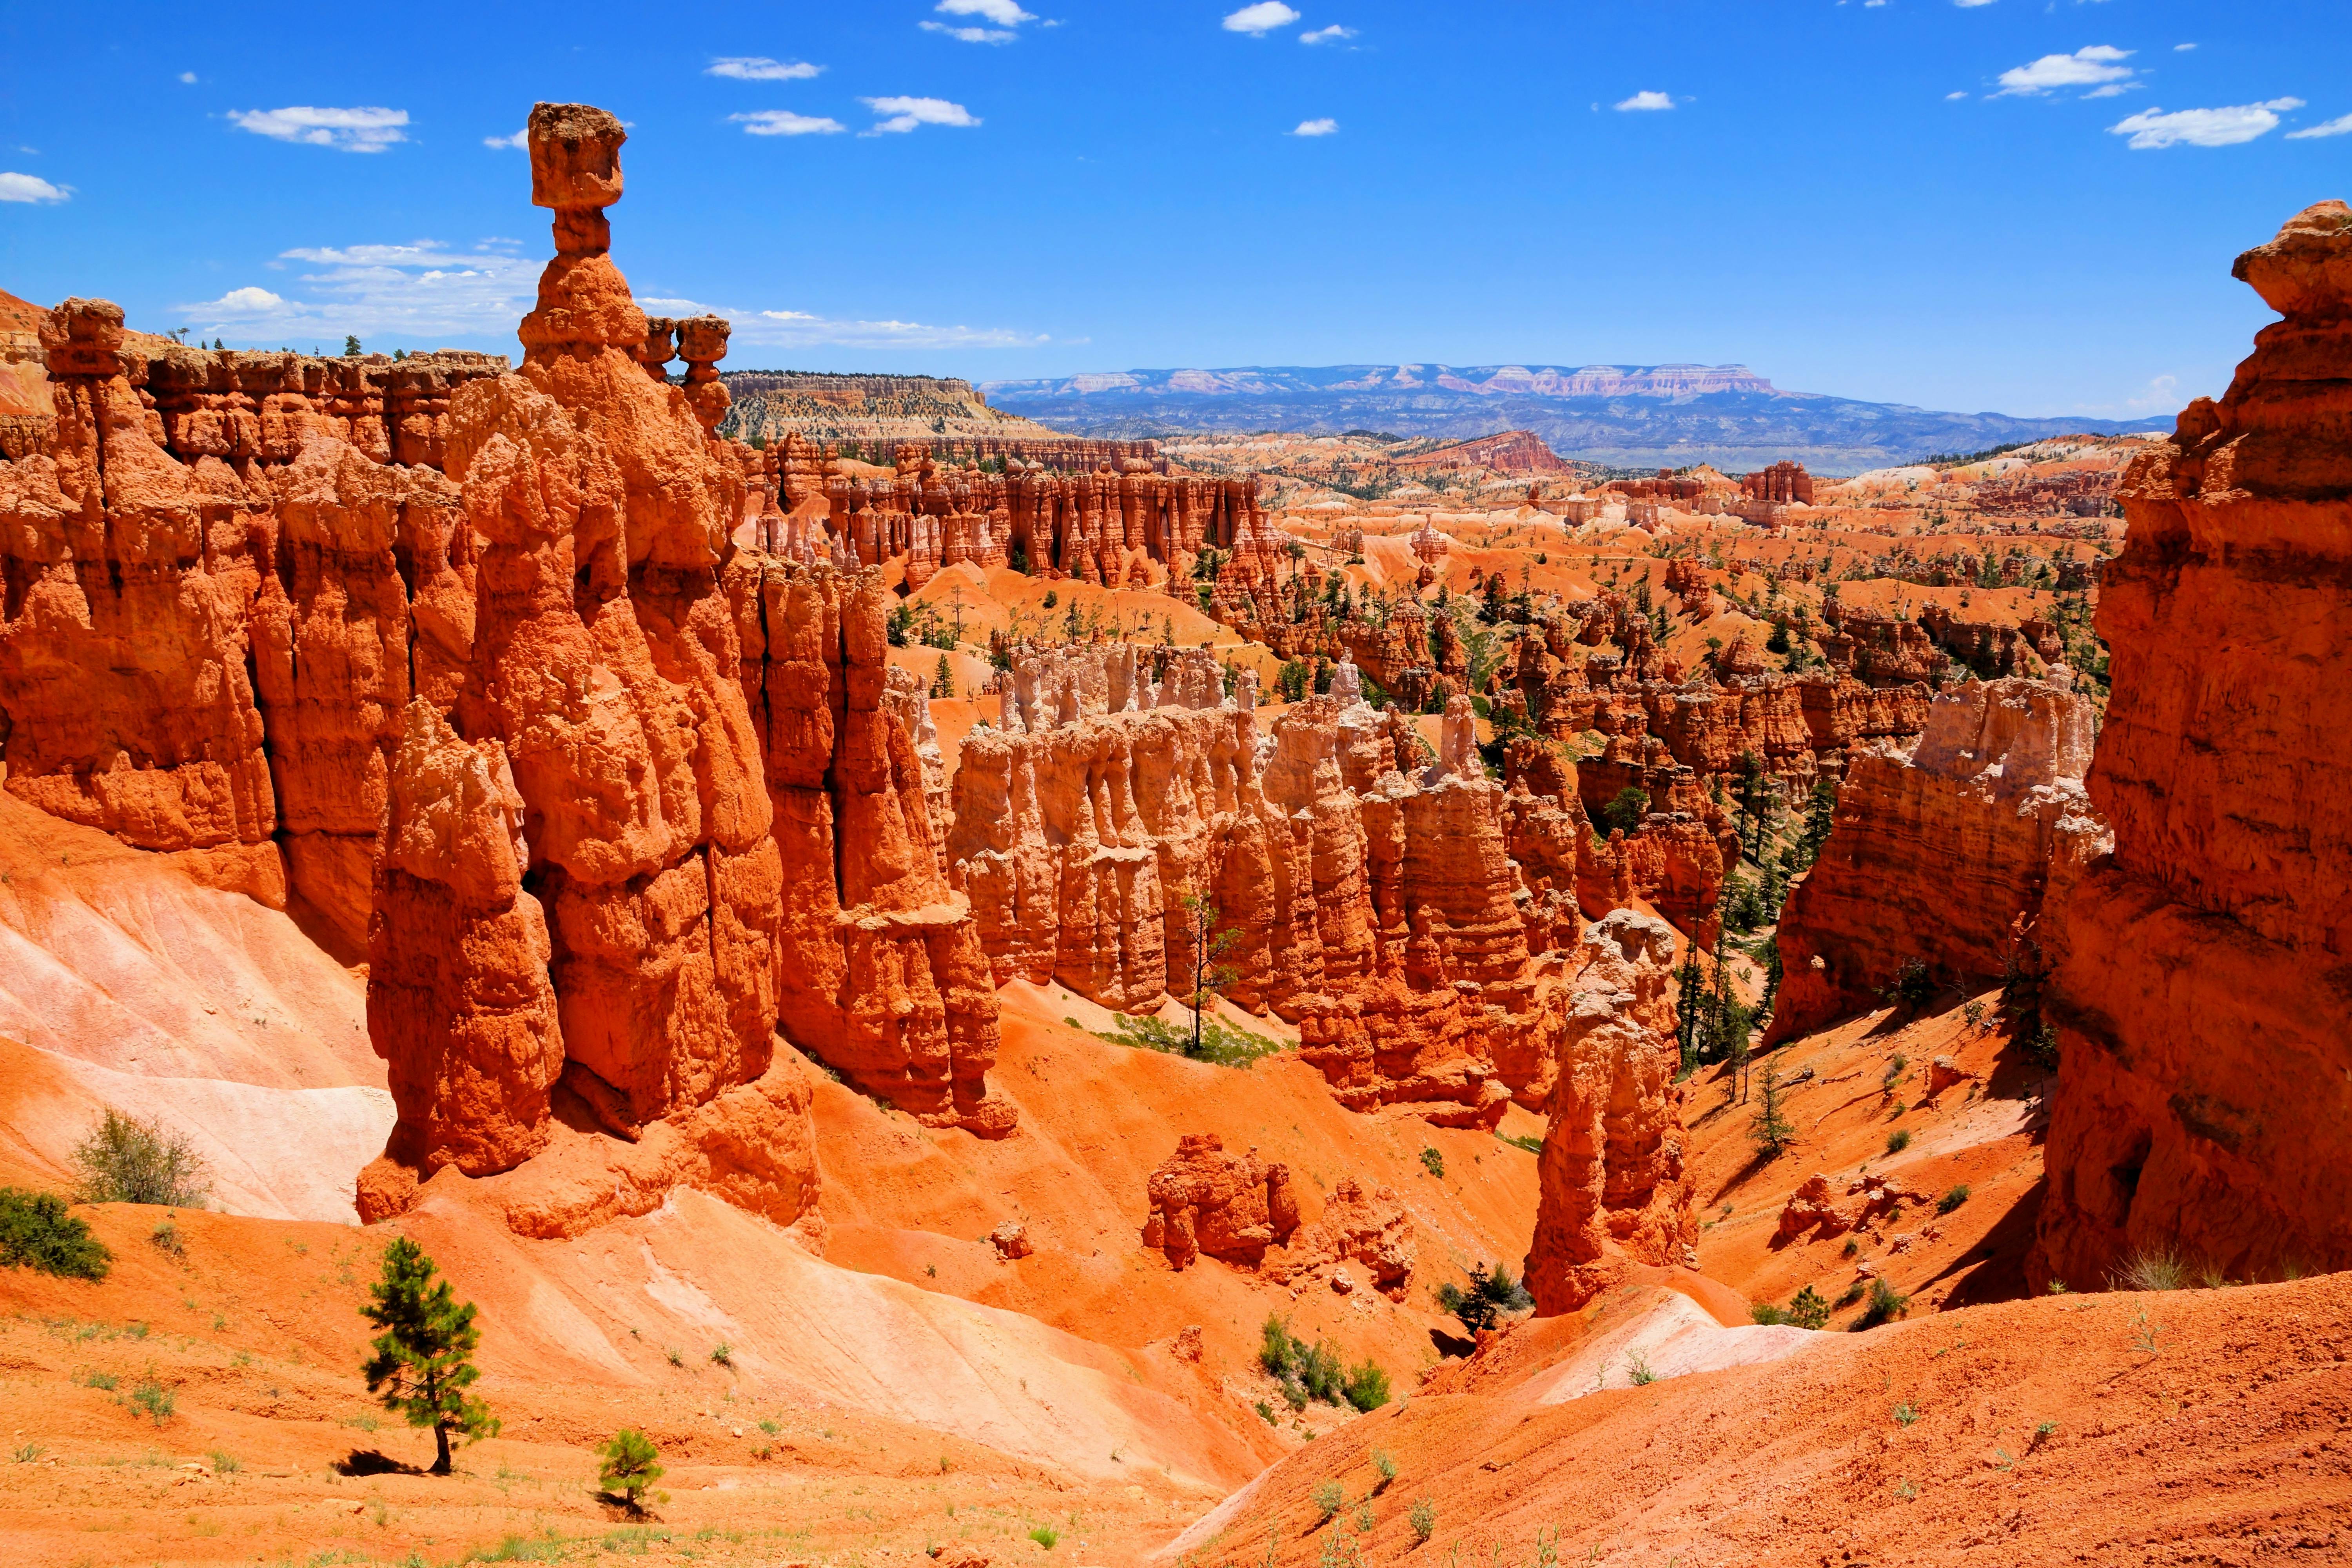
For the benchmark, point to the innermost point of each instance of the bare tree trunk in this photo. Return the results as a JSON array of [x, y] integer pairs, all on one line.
[[441, 1437]]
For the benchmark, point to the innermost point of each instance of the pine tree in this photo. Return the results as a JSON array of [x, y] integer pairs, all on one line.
[[1821, 813], [1690, 1001], [1210, 941], [422, 1364], [943, 680], [1754, 796], [629, 1465], [1771, 1128], [350, 346]]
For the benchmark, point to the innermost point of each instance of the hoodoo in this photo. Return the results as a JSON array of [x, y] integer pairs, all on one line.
[[968, 991], [2198, 977]]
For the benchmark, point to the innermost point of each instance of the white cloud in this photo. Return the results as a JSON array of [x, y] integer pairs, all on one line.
[[2112, 89], [1334, 34], [1643, 100], [520, 139], [244, 303], [2085, 67], [2152, 128], [784, 122], [1971, 4], [969, 34], [1004, 13], [905, 113], [345, 130], [422, 289], [1316, 128], [1950, 96], [31, 188], [1262, 18], [189, 77], [2182, 48], [802, 328], [2340, 125], [759, 68]]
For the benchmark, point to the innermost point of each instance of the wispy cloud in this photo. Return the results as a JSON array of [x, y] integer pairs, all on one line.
[[188, 79], [1316, 128], [784, 122], [900, 114], [1646, 101], [422, 289], [802, 328], [515, 142], [759, 68], [2340, 125], [344, 129], [1334, 34], [1950, 96], [2152, 129], [31, 188], [1260, 19], [1004, 13], [2097, 66], [2182, 48], [1971, 4]]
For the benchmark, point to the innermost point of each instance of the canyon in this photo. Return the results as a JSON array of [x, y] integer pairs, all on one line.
[[985, 985]]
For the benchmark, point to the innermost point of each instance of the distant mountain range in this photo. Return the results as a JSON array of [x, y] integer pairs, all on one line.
[[1657, 416]]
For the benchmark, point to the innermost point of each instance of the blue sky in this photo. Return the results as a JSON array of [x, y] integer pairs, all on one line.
[[2023, 205]]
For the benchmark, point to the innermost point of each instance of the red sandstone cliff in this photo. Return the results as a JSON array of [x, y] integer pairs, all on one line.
[[1943, 855], [472, 661], [2198, 974]]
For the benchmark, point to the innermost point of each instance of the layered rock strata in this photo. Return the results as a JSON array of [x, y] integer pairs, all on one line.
[[2199, 978], [469, 665], [1944, 857], [1614, 1184]]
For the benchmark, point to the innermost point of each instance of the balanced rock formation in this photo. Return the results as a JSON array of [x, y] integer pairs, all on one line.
[[1614, 1185], [471, 667], [2199, 977], [1355, 1226], [1230, 1206], [1943, 857]]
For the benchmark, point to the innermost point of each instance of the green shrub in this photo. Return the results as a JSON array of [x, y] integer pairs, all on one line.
[[1898, 1141], [1528, 1140], [1384, 1463], [1422, 1516], [723, 1354], [1047, 1536], [1368, 1386], [1952, 1199], [1885, 1302], [1488, 1294], [1326, 1496], [1765, 1312], [630, 1465], [153, 1399], [1434, 1163], [35, 1232], [1806, 1309], [1638, 1370], [1853, 1294], [1264, 1411], [224, 1462], [126, 1160], [1221, 1044], [2150, 1269]]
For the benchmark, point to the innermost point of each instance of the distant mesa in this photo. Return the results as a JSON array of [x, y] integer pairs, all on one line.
[[1622, 416]]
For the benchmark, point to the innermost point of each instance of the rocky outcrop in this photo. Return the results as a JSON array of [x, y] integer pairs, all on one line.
[[459, 1002], [1229, 1206], [1613, 1184], [471, 666], [1377, 911], [1370, 1229], [881, 969], [1943, 857], [2199, 974]]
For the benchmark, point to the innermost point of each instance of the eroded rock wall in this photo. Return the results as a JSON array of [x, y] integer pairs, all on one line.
[[1943, 855], [2200, 980]]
